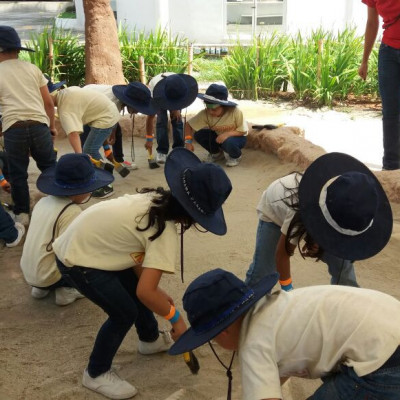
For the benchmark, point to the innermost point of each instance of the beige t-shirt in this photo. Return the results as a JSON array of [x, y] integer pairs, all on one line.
[[231, 120], [104, 236], [77, 107], [107, 90], [309, 332], [37, 264], [20, 97], [153, 82]]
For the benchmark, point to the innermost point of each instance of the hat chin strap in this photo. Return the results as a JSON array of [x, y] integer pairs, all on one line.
[[328, 216]]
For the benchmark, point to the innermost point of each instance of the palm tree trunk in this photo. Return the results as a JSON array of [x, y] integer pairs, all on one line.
[[103, 56]]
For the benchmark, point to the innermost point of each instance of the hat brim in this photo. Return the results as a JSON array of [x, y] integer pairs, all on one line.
[[168, 104], [191, 340], [56, 86], [144, 108], [25, 48], [46, 183], [214, 100], [358, 247], [177, 161]]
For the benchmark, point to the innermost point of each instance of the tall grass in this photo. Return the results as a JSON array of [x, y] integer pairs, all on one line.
[[162, 52], [68, 61]]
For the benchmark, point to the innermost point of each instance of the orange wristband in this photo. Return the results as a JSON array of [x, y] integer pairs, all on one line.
[[3, 182], [286, 282], [170, 314]]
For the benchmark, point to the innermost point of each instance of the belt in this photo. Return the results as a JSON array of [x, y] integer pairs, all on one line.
[[23, 124], [393, 361]]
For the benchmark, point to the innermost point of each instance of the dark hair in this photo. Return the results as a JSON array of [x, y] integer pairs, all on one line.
[[296, 227], [164, 207]]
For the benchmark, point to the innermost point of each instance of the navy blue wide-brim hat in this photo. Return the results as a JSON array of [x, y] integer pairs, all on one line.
[[215, 300], [9, 39], [53, 86], [217, 94], [72, 175], [344, 207], [200, 188], [137, 96], [176, 91]]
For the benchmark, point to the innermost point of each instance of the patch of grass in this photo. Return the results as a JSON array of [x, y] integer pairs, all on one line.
[[67, 14], [207, 69]]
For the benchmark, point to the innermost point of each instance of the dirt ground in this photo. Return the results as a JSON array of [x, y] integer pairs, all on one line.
[[44, 348]]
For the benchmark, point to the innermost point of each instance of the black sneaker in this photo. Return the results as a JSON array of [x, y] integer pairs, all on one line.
[[103, 192]]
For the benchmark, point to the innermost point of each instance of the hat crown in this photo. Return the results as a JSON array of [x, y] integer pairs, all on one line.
[[207, 186], [213, 297], [218, 91], [9, 38], [137, 91], [175, 87], [74, 171]]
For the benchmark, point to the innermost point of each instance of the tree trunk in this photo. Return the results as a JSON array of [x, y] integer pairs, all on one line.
[[103, 57]]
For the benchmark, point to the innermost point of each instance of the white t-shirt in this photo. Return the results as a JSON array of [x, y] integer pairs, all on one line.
[[271, 208], [310, 331], [153, 82], [20, 97], [106, 90], [37, 264], [104, 236], [77, 107]]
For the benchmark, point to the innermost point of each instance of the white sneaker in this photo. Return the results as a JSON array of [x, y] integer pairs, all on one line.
[[67, 295], [214, 157], [38, 293], [21, 232], [129, 165], [163, 343], [232, 162], [110, 385], [22, 218], [161, 158]]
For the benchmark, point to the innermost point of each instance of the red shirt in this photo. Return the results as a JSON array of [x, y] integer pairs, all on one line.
[[389, 10]]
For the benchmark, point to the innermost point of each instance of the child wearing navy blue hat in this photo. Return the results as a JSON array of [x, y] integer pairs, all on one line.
[[68, 184], [220, 128]]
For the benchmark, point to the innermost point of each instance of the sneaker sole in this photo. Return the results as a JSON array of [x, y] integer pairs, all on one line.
[[111, 396]]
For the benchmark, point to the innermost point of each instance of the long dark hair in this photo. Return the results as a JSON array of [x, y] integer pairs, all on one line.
[[296, 227], [164, 208]]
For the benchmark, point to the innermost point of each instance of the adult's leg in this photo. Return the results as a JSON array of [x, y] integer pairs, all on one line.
[[119, 302], [177, 133], [206, 139], [41, 146], [233, 145], [8, 232], [263, 262], [16, 143], [162, 132], [95, 141], [389, 88], [341, 271]]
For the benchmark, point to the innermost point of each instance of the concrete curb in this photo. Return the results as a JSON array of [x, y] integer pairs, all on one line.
[[34, 6]]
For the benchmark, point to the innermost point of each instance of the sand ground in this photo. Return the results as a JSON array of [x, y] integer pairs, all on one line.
[[44, 348]]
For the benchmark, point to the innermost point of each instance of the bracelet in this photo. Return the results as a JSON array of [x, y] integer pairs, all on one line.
[[106, 146], [3, 181], [173, 315], [188, 137], [285, 282], [2, 177], [188, 141], [149, 138]]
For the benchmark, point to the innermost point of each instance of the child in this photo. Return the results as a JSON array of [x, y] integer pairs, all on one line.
[[28, 119], [120, 271], [326, 213], [349, 337], [170, 92], [220, 128], [68, 184], [137, 98], [78, 107], [10, 232]]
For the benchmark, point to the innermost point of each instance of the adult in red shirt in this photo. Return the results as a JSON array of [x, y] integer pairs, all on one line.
[[388, 72]]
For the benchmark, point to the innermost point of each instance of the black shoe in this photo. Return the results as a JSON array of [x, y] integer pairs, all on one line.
[[103, 192]]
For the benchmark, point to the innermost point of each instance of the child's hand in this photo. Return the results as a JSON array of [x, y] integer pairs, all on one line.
[[222, 137], [175, 115], [178, 328], [189, 146], [148, 145]]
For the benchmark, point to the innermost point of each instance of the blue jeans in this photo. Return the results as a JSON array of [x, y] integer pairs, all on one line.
[[389, 88], [162, 132], [263, 264], [95, 140], [19, 143], [8, 231], [232, 145], [383, 384], [115, 293]]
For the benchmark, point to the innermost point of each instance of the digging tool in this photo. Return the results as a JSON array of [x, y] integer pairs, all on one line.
[[192, 362], [101, 164], [150, 159], [121, 169]]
